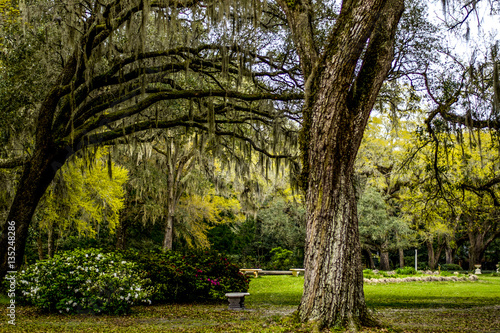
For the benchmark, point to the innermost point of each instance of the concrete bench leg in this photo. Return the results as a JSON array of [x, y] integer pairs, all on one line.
[[236, 303], [236, 300]]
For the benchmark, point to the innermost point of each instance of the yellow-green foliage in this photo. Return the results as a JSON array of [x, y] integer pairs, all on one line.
[[198, 213], [469, 159], [9, 18], [84, 196]]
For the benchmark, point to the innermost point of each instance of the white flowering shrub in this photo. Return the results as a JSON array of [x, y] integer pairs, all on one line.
[[83, 281]]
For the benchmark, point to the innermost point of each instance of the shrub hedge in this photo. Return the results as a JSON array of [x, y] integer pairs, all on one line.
[[200, 276]]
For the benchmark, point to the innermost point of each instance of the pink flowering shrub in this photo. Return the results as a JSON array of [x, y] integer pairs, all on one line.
[[199, 276]]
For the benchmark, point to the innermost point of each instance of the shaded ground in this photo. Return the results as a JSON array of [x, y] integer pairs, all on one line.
[[475, 319], [405, 307]]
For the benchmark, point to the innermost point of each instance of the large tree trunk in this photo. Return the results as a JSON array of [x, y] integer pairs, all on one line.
[[434, 255], [333, 290], [401, 258], [37, 175], [339, 99]]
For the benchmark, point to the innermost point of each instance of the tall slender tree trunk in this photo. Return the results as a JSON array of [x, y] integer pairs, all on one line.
[[448, 251], [401, 253], [121, 234], [51, 240], [430, 254], [39, 246], [169, 228]]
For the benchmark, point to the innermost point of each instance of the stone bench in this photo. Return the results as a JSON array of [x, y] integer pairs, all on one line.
[[275, 273], [236, 300], [296, 271], [255, 271]]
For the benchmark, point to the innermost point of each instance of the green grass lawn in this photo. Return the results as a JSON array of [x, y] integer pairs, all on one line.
[[403, 307]]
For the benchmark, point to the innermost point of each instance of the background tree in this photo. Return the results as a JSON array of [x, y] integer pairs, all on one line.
[[379, 229], [84, 197]]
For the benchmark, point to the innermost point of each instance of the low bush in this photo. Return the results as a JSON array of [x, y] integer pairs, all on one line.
[[178, 277], [451, 267], [406, 271], [82, 281]]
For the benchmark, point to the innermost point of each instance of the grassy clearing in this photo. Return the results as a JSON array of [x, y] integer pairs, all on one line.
[[405, 307]]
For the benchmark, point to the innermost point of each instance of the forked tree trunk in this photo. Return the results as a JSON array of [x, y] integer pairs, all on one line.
[[339, 99], [479, 241]]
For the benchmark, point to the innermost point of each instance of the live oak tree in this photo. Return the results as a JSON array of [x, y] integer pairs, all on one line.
[[118, 72]]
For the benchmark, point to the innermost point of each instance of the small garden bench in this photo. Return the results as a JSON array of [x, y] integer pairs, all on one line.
[[255, 271], [296, 271], [236, 300]]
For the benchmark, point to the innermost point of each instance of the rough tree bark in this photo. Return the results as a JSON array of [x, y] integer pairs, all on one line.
[[339, 97]]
